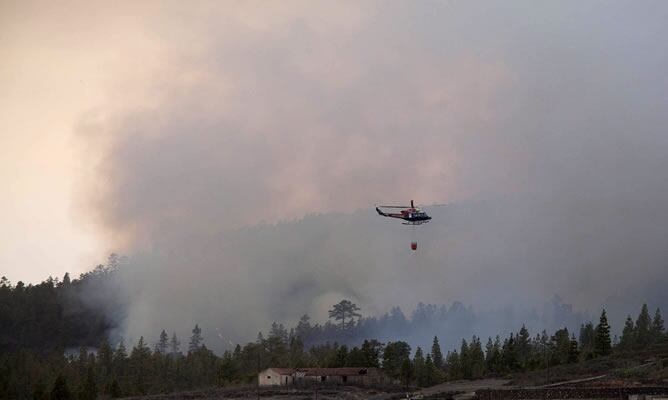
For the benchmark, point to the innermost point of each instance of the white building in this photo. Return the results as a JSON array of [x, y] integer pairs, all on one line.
[[342, 376]]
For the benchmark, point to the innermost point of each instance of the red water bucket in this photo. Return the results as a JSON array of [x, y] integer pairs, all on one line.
[[413, 245]]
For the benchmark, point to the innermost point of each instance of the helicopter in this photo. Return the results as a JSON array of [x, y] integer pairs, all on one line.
[[410, 214]]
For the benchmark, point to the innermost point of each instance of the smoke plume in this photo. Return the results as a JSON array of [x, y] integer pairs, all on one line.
[[242, 184]]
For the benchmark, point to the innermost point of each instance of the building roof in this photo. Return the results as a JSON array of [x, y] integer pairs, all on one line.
[[334, 371], [322, 371], [282, 371]]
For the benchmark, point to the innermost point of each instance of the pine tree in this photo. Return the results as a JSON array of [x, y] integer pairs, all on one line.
[[489, 350], [195, 339], [496, 361], [340, 357], [115, 389], [60, 390], [453, 365], [657, 326], [82, 362], [371, 350], [105, 358], [296, 351], [627, 341], [464, 360], [66, 279], [544, 350], [419, 368], [88, 389], [394, 355], [436, 354], [139, 360], [509, 354], [602, 343], [120, 359], [406, 371], [561, 343], [643, 336], [278, 332], [587, 339], [523, 347], [174, 345], [163, 343], [573, 353], [303, 329], [476, 358], [432, 373], [277, 344], [345, 309], [227, 368]]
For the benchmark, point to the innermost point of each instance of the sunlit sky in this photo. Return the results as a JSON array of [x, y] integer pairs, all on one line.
[[61, 62], [55, 66]]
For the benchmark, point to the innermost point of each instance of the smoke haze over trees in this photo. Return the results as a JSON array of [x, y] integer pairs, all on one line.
[[35, 367], [305, 266], [73, 312]]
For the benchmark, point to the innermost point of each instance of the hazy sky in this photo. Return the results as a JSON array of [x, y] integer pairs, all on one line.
[[58, 63], [153, 128]]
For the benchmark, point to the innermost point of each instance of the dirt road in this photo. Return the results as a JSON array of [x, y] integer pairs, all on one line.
[[464, 389]]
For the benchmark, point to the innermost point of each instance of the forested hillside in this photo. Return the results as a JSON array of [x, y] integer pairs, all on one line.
[[56, 314], [40, 322]]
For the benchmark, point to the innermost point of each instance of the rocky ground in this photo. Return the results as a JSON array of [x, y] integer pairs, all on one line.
[[250, 392]]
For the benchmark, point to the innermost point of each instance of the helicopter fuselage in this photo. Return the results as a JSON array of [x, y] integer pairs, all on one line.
[[411, 215]]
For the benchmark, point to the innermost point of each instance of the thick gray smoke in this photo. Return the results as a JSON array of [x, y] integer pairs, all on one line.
[[234, 189]]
